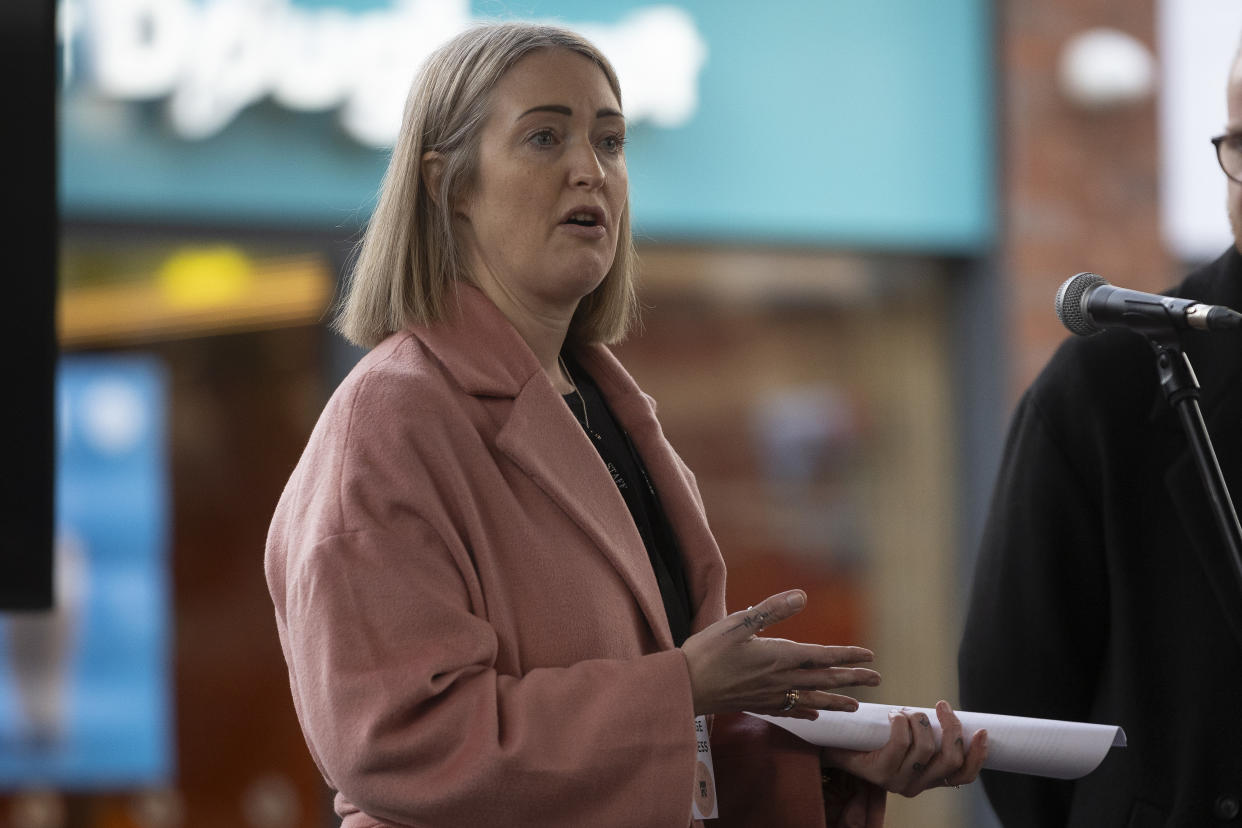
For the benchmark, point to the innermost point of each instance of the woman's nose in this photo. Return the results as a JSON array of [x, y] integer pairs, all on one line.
[[586, 169]]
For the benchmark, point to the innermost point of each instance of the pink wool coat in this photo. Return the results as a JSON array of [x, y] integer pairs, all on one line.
[[473, 630]]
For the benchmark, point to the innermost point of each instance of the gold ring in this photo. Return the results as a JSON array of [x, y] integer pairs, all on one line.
[[791, 699]]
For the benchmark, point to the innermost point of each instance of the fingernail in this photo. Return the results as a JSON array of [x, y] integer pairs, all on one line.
[[797, 600]]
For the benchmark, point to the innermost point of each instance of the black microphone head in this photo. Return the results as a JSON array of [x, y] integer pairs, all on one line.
[[1069, 303]]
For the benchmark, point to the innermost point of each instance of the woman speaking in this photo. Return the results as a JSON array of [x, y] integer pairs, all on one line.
[[495, 586]]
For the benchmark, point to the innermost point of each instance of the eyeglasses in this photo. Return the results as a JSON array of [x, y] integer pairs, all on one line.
[[1229, 154]]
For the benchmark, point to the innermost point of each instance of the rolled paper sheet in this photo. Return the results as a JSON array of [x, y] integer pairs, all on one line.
[[1041, 747]]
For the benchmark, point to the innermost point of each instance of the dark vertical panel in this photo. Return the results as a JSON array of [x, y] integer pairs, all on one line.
[[27, 337]]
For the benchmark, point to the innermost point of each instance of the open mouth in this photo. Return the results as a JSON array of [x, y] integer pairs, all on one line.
[[584, 217]]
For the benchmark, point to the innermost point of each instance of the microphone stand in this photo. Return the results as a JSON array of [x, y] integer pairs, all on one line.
[[1181, 389]]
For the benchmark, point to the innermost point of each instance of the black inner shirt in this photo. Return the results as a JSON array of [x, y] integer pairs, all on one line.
[[626, 467]]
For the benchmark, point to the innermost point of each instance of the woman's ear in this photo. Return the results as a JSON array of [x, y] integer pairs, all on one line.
[[431, 168]]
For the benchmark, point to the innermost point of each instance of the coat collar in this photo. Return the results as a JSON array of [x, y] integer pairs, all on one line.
[[479, 348], [673, 482], [484, 354], [1215, 357]]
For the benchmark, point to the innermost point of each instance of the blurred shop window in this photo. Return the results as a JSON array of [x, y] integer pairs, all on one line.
[[808, 436], [85, 698], [230, 323], [117, 294]]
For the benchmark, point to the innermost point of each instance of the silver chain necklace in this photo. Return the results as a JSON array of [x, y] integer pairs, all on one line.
[[586, 417]]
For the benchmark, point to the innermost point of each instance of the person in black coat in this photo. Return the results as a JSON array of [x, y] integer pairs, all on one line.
[[1103, 591]]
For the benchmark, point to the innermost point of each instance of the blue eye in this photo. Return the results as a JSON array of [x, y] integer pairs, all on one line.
[[613, 143], [543, 138]]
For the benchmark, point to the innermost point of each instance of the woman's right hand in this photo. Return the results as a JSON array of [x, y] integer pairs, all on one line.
[[731, 669], [910, 762]]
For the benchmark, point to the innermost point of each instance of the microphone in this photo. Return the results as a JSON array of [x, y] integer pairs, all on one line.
[[1087, 304]]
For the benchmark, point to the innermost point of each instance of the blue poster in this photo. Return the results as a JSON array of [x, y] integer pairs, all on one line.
[[85, 699]]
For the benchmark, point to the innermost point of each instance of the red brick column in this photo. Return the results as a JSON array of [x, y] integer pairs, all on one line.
[[1079, 188]]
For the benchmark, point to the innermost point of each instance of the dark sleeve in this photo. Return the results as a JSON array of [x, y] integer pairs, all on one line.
[[1035, 626]]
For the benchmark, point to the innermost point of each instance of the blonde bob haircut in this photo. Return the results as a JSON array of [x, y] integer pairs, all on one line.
[[409, 256]]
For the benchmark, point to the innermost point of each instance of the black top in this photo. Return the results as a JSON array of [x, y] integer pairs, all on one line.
[[626, 467]]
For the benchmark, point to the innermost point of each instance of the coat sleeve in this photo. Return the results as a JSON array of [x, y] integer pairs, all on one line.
[[1034, 633], [393, 677]]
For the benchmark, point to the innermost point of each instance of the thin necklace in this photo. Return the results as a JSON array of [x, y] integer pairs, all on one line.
[[586, 417]]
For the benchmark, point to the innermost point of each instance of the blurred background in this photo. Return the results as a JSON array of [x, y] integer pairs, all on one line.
[[852, 219]]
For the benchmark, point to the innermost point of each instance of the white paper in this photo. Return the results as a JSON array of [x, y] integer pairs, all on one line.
[[1042, 747]]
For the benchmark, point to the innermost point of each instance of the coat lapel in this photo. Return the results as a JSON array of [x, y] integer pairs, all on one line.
[[542, 438], [675, 486], [486, 356], [1217, 360], [1191, 501]]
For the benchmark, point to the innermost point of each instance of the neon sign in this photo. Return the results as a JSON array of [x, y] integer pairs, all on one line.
[[212, 59]]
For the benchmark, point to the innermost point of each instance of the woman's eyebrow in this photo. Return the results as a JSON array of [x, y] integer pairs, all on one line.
[[564, 110]]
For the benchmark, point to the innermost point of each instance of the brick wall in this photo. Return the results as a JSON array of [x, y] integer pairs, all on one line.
[[1079, 188]]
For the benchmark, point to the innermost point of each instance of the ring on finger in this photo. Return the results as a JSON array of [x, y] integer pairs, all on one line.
[[791, 700]]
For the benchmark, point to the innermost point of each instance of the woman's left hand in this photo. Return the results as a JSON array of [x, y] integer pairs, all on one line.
[[908, 763]]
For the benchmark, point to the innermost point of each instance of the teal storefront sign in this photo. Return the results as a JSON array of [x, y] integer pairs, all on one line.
[[834, 124]]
